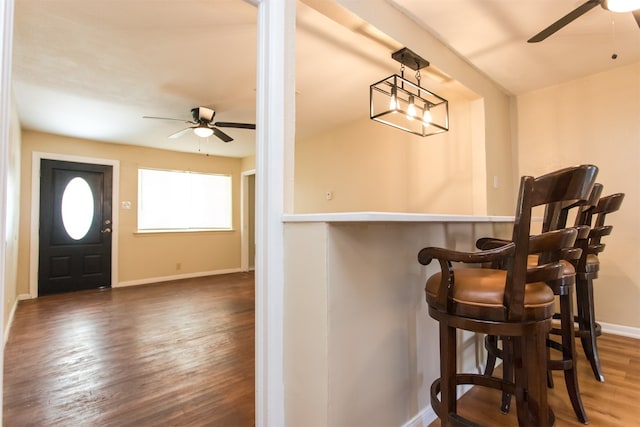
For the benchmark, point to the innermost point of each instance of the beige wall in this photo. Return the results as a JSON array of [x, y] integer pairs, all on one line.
[[368, 166], [142, 257], [13, 215], [595, 120]]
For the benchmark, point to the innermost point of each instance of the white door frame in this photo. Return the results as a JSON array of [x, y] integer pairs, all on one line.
[[35, 212], [245, 250], [275, 133], [6, 35]]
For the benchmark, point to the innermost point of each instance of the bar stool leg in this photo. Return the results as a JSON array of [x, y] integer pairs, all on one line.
[[530, 368], [569, 354], [588, 328]]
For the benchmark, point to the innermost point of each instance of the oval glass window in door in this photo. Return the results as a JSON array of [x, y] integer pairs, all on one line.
[[77, 208]]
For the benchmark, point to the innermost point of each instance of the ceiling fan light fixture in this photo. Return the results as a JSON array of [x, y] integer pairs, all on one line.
[[203, 131], [621, 6]]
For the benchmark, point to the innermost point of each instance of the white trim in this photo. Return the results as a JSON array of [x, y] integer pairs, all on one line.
[[622, 330], [7, 328], [6, 40], [148, 280], [244, 219], [423, 418], [274, 173], [35, 210]]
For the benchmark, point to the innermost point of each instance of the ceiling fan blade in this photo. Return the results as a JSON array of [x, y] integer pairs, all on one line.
[[179, 133], [166, 118], [568, 18], [636, 14], [235, 125], [223, 136]]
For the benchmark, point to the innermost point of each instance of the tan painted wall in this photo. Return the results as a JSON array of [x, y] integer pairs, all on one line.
[[141, 256], [13, 217], [368, 166], [595, 120]]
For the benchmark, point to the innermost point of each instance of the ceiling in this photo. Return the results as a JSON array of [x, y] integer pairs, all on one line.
[[92, 69], [492, 35]]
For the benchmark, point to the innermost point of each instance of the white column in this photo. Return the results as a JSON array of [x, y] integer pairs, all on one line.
[[274, 172]]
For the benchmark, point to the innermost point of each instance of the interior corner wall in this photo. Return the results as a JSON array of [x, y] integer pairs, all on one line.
[[595, 120], [142, 257], [13, 216], [248, 163]]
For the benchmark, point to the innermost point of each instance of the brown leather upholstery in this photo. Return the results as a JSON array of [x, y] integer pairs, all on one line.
[[480, 291]]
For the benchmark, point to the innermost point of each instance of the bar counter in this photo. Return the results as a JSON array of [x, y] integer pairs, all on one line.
[[359, 346]]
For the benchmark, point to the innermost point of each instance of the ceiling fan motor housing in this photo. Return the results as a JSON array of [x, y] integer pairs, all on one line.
[[201, 114]]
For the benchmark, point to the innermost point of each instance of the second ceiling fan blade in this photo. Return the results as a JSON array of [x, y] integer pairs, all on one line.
[[223, 136], [235, 125], [568, 18], [166, 118], [180, 133]]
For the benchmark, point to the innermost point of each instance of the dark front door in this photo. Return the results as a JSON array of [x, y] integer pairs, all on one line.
[[75, 227]]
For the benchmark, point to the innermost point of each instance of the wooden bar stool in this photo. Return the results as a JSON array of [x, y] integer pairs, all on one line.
[[587, 270], [514, 302]]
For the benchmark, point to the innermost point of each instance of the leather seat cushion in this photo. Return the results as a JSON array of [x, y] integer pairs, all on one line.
[[479, 293]]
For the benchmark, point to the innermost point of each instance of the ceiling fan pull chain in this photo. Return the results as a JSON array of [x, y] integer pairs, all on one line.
[[614, 55]]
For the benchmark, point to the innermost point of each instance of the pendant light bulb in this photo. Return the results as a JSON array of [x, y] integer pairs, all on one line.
[[411, 111], [427, 118], [393, 104]]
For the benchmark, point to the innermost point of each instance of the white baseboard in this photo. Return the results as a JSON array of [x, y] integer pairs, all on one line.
[[426, 416], [423, 418], [625, 331], [148, 280]]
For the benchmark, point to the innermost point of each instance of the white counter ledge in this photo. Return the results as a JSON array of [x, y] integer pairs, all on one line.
[[390, 217]]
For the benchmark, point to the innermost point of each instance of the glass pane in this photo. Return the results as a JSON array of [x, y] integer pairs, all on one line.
[[77, 208], [174, 200]]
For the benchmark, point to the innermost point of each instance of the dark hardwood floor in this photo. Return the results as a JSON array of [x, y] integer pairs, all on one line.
[[615, 402], [170, 354]]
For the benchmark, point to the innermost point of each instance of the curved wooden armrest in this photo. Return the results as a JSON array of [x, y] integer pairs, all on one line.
[[486, 243], [426, 255], [545, 273]]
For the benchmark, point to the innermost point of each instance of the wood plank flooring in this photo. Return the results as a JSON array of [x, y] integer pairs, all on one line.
[[176, 353], [616, 402]]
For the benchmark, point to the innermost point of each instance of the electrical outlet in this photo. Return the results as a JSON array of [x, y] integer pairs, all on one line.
[[328, 195]]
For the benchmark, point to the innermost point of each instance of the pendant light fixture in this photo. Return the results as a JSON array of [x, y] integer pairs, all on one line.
[[403, 104]]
